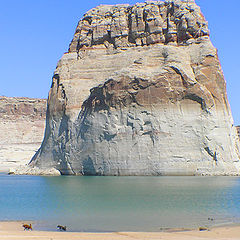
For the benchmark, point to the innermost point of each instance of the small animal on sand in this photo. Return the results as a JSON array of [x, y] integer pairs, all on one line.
[[27, 227], [203, 229], [62, 228]]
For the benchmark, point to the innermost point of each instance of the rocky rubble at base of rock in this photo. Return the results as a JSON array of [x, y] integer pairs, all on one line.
[[26, 170], [140, 92], [22, 123]]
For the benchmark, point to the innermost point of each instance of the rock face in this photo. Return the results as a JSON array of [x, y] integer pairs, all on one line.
[[22, 123], [140, 92], [238, 131]]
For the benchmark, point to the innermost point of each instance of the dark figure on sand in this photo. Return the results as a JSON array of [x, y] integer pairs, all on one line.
[[27, 227], [62, 228]]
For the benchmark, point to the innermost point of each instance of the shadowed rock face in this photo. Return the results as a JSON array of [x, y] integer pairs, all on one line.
[[22, 123], [140, 92]]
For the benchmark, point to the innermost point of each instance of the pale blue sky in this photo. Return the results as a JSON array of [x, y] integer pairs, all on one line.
[[36, 33]]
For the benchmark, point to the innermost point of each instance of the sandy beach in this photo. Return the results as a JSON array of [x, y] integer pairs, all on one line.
[[14, 230]]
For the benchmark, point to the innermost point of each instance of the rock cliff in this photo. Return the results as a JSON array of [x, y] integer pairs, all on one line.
[[22, 123], [140, 92]]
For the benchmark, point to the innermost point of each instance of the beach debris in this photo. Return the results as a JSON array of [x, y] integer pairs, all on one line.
[[62, 228], [27, 227], [203, 229]]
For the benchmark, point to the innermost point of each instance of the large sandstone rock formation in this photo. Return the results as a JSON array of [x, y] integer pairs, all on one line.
[[22, 123], [140, 92]]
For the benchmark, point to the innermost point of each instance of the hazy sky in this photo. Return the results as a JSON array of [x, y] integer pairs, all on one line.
[[36, 33]]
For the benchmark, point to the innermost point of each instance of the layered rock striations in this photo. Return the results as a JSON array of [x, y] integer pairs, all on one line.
[[238, 131], [140, 92], [22, 123]]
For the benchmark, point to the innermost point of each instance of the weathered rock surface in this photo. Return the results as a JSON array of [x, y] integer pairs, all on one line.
[[22, 123], [26, 170], [140, 92], [238, 131]]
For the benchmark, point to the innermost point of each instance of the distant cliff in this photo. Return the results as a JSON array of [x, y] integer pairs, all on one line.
[[22, 123], [140, 92]]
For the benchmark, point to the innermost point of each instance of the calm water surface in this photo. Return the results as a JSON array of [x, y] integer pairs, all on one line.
[[120, 203]]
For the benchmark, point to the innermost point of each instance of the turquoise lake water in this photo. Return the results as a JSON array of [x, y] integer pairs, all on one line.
[[120, 203]]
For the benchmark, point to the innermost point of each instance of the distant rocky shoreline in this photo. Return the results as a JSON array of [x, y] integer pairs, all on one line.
[[22, 123]]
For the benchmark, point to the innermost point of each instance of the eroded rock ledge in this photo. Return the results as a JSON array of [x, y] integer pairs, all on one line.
[[143, 24], [140, 92]]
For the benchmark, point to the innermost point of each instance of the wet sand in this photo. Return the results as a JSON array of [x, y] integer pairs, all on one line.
[[14, 230]]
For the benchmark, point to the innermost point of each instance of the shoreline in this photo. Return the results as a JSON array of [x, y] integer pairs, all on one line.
[[45, 226], [14, 230]]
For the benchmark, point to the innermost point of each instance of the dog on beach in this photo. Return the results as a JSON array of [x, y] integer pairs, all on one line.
[[62, 228], [27, 227]]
